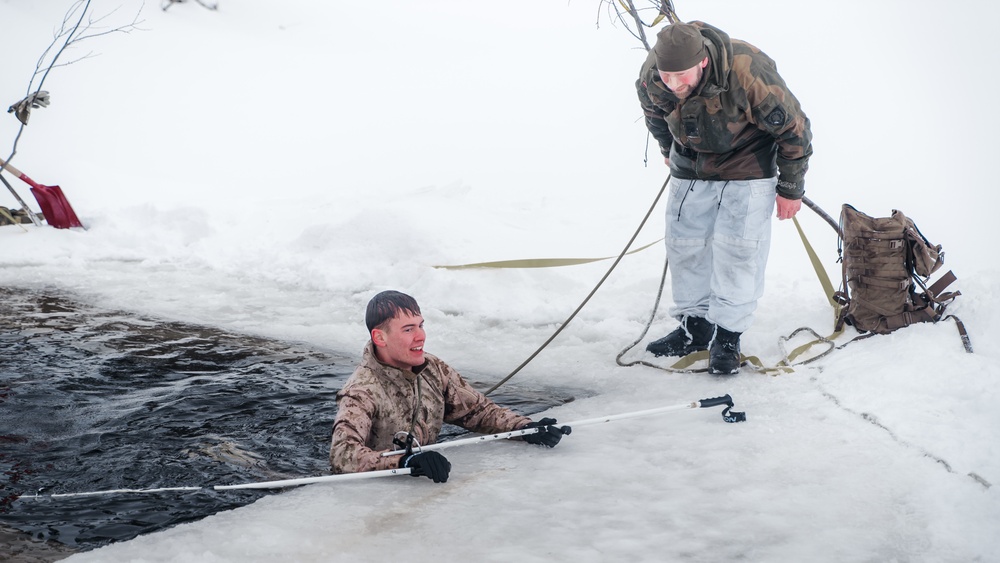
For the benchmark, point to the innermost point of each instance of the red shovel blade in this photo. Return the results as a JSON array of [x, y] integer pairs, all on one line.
[[55, 207]]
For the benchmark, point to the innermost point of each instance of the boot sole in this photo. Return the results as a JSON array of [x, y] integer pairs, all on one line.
[[685, 352]]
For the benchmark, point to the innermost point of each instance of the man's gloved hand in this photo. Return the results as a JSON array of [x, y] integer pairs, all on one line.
[[22, 109], [431, 464], [549, 436]]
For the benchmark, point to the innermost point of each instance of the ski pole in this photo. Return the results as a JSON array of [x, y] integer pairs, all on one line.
[[704, 403], [262, 485], [322, 479], [115, 492]]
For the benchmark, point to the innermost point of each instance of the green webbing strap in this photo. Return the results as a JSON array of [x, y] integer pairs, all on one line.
[[824, 280], [785, 365], [684, 364], [539, 262]]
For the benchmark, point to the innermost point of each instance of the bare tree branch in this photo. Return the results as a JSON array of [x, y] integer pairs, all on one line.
[[78, 33], [164, 4], [64, 38], [626, 12]]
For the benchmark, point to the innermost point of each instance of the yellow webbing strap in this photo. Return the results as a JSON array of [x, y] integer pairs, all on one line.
[[539, 262], [785, 365], [824, 280], [686, 362]]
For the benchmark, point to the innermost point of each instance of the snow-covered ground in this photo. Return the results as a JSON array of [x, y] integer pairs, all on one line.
[[269, 167]]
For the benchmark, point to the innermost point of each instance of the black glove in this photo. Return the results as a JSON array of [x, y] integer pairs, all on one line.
[[549, 436], [432, 464]]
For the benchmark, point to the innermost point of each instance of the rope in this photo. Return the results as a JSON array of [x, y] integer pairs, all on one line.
[[683, 365], [592, 292]]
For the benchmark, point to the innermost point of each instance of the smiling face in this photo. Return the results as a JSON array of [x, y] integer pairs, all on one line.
[[399, 342], [683, 83]]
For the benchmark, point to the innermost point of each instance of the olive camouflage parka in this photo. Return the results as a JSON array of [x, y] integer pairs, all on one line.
[[740, 123]]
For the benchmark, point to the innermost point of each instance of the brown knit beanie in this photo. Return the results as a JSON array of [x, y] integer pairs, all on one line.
[[679, 47]]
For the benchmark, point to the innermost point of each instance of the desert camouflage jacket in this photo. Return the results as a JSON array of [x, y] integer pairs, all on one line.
[[740, 123], [378, 401]]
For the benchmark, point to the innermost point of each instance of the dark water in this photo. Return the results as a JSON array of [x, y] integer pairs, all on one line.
[[94, 400]]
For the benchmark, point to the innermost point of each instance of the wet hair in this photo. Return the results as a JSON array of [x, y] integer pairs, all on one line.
[[387, 306]]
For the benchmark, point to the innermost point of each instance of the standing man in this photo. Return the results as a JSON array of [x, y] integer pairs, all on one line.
[[737, 144], [400, 396]]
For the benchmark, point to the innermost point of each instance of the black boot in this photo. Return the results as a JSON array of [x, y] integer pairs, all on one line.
[[693, 335], [724, 357]]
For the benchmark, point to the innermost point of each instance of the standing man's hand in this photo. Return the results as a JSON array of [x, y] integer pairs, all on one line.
[[666, 160], [787, 208]]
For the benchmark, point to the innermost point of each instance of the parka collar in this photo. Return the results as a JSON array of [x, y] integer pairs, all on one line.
[[720, 59], [369, 358]]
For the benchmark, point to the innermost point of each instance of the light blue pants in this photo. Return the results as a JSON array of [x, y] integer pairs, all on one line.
[[718, 238]]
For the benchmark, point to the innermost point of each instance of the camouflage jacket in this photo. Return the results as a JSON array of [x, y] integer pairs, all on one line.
[[378, 401], [740, 123]]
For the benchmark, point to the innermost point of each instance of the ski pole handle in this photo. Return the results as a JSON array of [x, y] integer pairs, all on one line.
[[728, 414], [716, 401]]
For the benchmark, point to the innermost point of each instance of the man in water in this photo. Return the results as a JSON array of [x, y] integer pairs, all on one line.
[[400, 396]]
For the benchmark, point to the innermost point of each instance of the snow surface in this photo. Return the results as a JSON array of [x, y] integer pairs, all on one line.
[[268, 167]]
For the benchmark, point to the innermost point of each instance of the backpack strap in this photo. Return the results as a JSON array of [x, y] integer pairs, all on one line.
[[966, 341], [936, 291], [906, 318]]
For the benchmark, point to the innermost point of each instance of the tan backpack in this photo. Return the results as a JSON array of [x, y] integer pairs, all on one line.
[[886, 264]]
